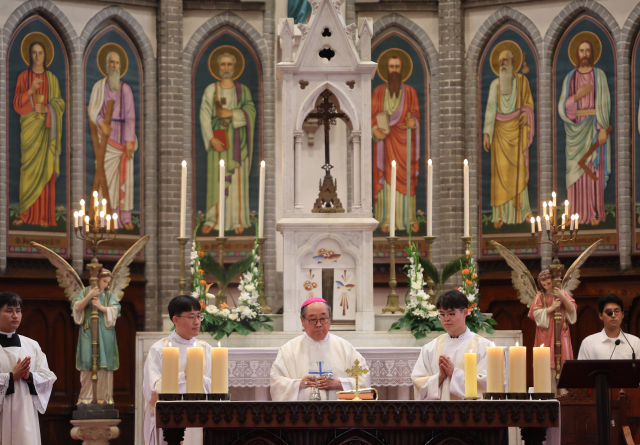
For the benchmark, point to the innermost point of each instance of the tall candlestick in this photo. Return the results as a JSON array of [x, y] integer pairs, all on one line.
[[115, 221], [82, 206], [541, 369], [392, 201], [544, 208], [194, 371], [219, 370], [573, 222], [104, 205], [429, 198], [517, 368], [470, 375], [466, 198], [261, 202], [533, 225], [539, 224], [86, 223], [577, 220], [495, 369], [75, 217], [546, 222], [170, 362], [553, 195], [183, 200], [221, 200], [108, 223]]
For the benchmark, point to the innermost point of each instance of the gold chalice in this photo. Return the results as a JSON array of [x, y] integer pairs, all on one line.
[[39, 98]]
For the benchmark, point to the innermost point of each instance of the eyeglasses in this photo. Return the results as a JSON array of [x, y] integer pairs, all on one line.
[[314, 321], [444, 316], [192, 318], [609, 312]]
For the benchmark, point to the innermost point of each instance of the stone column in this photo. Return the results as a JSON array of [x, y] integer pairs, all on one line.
[[95, 432], [451, 139], [171, 149], [297, 145], [356, 159]]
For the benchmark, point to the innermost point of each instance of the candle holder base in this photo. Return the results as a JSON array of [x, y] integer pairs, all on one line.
[[542, 396], [219, 397], [170, 397], [495, 396], [472, 398], [195, 397], [518, 396]]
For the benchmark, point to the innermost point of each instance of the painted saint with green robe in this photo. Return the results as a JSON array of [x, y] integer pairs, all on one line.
[[227, 119]]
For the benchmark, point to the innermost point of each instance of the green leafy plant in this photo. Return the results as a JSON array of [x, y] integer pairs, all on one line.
[[224, 277]]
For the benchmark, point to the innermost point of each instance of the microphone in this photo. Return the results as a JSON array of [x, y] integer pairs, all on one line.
[[614, 348], [609, 312]]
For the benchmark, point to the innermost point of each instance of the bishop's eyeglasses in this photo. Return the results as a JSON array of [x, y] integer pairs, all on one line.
[[314, 321]]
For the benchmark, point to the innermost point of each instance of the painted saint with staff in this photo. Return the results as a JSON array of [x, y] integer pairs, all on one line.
[[509, 128]]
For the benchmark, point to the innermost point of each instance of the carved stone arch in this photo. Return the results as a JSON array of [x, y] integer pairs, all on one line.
[[356, 437], [347, 106], [493, 24], [452, 436], [420, 37], [110, 16], [59, 21], [257, 437]]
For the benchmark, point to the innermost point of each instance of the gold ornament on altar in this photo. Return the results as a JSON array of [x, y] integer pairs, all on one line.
[[357, 371]]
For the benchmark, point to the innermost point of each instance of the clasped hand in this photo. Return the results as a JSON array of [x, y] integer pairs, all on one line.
[[322, 383], [21, 370], [446, 368]]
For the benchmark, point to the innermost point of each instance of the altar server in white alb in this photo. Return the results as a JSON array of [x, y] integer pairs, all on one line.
[[25, 378], [184, 312], [439, 371], [315, 356], [610, 343]]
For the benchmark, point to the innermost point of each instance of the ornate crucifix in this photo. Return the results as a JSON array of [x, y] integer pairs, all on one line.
[[328, 201]]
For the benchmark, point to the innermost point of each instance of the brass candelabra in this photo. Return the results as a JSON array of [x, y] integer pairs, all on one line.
[[264, 309], [430, 284], [393, 301]]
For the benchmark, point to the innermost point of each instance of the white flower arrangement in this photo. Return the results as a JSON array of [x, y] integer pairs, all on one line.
[[419, 304]]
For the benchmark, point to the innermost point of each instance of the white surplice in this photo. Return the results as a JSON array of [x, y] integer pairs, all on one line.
[[426, 372], [303, 355], [19, 411], [152, 384]]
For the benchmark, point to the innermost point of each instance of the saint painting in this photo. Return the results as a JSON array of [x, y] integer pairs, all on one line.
[[300, 10], [396, 120], [37, 137], [227, 127]]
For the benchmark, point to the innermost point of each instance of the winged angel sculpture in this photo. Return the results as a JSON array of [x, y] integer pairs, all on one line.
[[103, 296], [552, 302]]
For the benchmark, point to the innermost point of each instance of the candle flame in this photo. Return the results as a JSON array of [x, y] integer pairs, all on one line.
[[115, 216], [262, 164], [184, 163], [466, 162], [533, 220], [577, 216], [538, 218], [95, 193], [429, 161], [104, 201], [80, 213], [102, 214], [517, 344], [393, 163], [169, 344], [470, 351], [82, 202], [218, 344], [544, 204], [566, 202], [553, 194], [108, 217], [542, 345], [75, 214], [222, 162], [86, 218], [546, 217], [550, 204]]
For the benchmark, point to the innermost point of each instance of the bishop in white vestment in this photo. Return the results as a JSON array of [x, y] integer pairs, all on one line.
[[315, 356], [439, 372], [184, 311], [25, 378]]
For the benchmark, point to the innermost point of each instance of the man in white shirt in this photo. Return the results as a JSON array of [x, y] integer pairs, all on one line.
[[185, 313], [439, 372], [315, 358], [610, 343], [25, 379]]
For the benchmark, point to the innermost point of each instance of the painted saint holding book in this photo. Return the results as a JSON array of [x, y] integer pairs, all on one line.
[[395, 112]]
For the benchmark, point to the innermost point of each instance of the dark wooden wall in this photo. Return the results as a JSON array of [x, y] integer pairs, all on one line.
[[47, 319]]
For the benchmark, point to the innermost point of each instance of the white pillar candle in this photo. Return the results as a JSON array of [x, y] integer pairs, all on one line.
[[495, 369], [75, 217], [194, 370], [470, 375], [553, 195], [392, 201], [86, 223], [221, 200], [429, 198], [261, 201], [542, 369], [108, 223], [466, 197], [170, 362], [219, 370], [533, 225], [539, 223], [183, 200], [517, 368], [544, 208]]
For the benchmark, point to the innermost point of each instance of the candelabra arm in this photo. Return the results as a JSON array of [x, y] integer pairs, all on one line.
[[183, 282]]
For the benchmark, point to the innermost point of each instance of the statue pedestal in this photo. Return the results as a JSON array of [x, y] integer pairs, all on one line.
[[95, 431]]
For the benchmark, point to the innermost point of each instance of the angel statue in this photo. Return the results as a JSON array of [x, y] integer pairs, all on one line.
[[545, 303], [103, 296]]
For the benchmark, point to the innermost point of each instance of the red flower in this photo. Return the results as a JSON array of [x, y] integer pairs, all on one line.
[[202, 305]]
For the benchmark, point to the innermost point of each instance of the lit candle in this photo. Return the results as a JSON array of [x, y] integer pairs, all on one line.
[[577, 220], [546, 222], [553, 195], [108, 223], [566, 207], [573, 221], [261, 202], [470, 375], [221, 200], [115, 221], [183, 200], [533, 225], [563, 218], [392, 201], [75, 216], [101, 219], [104, 205], [194, 371], [542, 369], [539, 223], [86, 223], [219, 370], [82, 207], [170, 362], [517, 368], [495, 369], [466, 197], [429, 197], [544, 208]]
